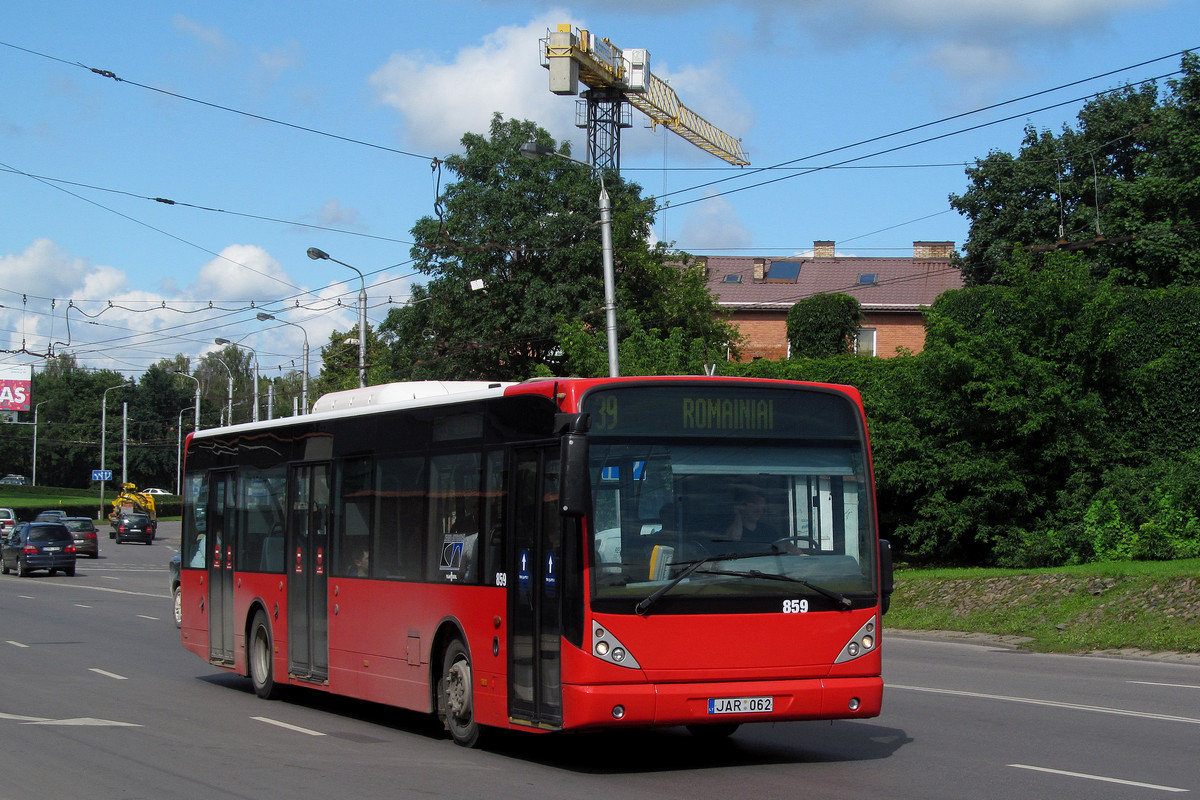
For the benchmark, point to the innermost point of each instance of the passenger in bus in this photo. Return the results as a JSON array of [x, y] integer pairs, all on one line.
[[360, 566], [749, 503]]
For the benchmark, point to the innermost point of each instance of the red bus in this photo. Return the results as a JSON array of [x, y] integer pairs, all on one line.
[[552, 555]]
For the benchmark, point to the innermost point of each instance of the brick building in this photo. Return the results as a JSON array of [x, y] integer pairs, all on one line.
[[758, 292]]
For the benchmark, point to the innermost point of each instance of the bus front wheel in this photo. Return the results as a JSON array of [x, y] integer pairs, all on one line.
[[262, 659], [457, 697]]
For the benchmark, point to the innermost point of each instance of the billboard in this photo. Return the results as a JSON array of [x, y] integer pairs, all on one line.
[[15, 387]]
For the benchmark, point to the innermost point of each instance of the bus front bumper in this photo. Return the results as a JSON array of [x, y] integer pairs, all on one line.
[[665, 704]]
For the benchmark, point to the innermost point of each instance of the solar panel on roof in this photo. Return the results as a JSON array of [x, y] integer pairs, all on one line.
[[784, 271]]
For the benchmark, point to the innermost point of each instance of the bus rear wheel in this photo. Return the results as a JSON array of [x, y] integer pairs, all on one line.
[[457, 697], [262, 659]]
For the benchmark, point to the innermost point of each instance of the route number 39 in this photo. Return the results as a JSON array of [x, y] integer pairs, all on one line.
[[795, 606]]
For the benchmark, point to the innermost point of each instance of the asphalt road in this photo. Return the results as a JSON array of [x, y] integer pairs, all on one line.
[[98, 700]]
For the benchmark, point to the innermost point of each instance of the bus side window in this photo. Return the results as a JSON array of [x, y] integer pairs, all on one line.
[[354, 503], [400, 499], [493, 516], [454, 488]]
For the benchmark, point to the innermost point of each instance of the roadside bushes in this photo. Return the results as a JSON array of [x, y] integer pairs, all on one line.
[[1051, 419]]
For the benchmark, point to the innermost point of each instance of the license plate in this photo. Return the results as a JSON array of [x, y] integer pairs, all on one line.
[[51, 549], [740, 705]]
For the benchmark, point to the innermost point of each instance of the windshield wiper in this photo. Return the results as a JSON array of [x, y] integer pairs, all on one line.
[[842, 600], [692, 567]]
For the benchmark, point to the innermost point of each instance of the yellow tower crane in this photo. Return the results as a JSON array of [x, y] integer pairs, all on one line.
[[614, 76]]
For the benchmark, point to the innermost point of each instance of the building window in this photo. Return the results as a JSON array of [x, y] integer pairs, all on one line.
[[732, 279], [867, 278], [864, 342]]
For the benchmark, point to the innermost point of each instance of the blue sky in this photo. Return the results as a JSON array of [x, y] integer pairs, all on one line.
[[82, 155]]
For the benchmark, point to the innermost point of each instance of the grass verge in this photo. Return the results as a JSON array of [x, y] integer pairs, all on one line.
[[1142, 605]]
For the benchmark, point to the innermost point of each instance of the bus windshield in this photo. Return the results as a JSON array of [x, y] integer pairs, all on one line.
[[776, 504]]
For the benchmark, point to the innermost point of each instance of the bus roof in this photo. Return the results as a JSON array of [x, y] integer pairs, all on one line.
[[390, 394]]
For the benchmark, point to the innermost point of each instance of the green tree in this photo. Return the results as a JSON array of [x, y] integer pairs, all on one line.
[[515, 250], [339, 363], [823, 325], [1125, 181]]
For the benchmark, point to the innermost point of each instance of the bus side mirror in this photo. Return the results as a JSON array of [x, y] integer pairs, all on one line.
[[574, 492], [887, 580]]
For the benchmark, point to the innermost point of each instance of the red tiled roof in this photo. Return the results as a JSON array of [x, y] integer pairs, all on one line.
[[901, 284]]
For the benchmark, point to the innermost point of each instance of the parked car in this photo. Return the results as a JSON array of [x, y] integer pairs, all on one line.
[[155, 491], [134, 527], [14, 480], [38, 545], [50, 516], [8, 521], [87, 538], [176, 596]]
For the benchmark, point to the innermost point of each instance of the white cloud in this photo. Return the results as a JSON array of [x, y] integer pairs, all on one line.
[[712, 224], [209, 36], [335, 215], [240, 272], [440, 101]]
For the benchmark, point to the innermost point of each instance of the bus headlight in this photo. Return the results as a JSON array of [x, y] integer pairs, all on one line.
[[862, 642], [606, 647]]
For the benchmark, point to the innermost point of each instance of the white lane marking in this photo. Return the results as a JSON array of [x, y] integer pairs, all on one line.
[[16, 644], [86, 721], [1089, 777], [110, 577], [1170, 685], [108, 674], [81, 605], [22, 718], [76, 585], [295, 728], [1051, 703], [147, 616]]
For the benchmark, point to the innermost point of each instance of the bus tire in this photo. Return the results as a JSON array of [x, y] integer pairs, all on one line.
[[262, 659], [456, 696]]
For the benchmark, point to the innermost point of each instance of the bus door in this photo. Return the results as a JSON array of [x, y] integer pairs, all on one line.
[[535, 597], [307, 571], [221, 534]]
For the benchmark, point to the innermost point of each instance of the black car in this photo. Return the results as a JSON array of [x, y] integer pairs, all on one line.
[[87, 539], [38, 545], [176, 597], [133, 527]]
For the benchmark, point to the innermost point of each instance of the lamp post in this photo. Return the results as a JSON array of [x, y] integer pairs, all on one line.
[[179, 451], [229, 400], [263, 317], [196, 405], [315, 254], [103, 433], [532, 150], [33, 480], [253, 416]]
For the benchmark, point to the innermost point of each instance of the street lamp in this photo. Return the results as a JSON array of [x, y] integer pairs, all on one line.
[[229, 400], [103, 434], [179, 450], [196, 421], [253, 416], [533, 150], [33, 480], [316, 254], [263, 317]]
